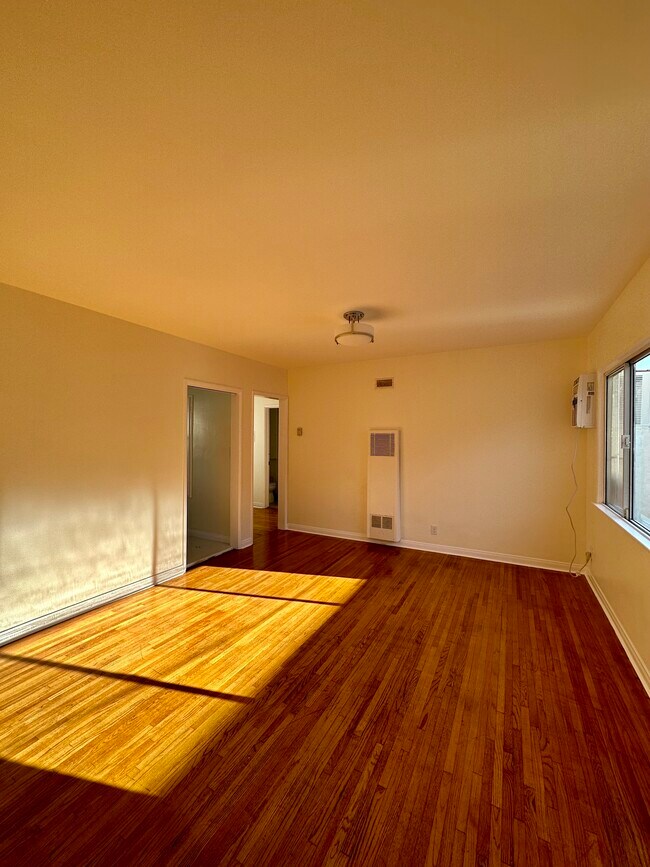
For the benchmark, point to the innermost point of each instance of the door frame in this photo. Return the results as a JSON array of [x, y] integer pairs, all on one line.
[[235, 457], [267, 454], [283, 453]]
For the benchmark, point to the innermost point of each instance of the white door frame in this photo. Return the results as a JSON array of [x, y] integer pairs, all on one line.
[[283, 454], [267, 454], [235, 457]]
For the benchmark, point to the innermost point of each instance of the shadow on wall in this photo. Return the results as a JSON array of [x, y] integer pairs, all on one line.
[[56, 552]]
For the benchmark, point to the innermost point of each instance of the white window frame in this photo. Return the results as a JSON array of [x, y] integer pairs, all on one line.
[[625, 513]]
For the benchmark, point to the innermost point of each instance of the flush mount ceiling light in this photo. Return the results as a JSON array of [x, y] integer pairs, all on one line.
[[355, 336]]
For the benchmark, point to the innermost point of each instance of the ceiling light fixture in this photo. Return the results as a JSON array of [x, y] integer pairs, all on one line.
[[354, 337]]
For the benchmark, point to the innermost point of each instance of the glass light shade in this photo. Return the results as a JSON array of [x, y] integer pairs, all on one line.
[[356, 338]]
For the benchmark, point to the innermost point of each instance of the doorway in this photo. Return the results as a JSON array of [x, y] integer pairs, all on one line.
[[273, 427], [267, 482], [209, 473]]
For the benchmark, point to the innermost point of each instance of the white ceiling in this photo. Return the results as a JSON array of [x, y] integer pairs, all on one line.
[[241, 173]]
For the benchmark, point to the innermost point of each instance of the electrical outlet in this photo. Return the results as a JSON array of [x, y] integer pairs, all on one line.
[[434, 530]]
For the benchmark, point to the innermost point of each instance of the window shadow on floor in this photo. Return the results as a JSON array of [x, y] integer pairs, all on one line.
[[51, 818], [126, 677]]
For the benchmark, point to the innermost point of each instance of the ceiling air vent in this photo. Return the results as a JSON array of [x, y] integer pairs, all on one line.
[[384, 383]]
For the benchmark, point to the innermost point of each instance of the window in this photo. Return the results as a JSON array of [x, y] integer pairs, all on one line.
[[627, 445]]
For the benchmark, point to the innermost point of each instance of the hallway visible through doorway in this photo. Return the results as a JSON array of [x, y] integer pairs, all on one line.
[[208, 473], [266, 476]]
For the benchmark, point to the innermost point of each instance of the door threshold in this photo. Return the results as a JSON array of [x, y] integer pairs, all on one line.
[[209, 557]]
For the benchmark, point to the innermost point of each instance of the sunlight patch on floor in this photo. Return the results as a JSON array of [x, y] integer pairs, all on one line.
[[131, 695]]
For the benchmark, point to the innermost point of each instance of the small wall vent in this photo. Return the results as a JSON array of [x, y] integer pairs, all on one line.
[[381, 522], [384, 383]]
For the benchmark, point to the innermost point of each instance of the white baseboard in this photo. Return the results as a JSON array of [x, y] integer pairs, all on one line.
[[335, 534], [245, 543], [628, 646], [13, 633], [493, 556], [161, 577], [213, 537]]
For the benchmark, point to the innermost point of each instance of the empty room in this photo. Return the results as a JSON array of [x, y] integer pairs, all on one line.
[[325, 433]]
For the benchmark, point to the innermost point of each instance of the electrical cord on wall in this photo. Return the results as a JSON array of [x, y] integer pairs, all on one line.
[[567, 510]]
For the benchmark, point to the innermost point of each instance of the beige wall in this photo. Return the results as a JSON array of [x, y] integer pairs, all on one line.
[[208, 509], [92, 450], [621, 563], [487, 445]]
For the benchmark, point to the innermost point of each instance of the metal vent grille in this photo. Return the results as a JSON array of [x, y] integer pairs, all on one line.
[[387, 522], [382, 445], [375, 522], [384, 383]]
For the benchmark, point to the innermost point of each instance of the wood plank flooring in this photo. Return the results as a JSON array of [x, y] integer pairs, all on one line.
[[315, 701]]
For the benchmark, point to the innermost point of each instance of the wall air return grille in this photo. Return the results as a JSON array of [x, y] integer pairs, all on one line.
[[383, 522], [382, 445], [383, 383]]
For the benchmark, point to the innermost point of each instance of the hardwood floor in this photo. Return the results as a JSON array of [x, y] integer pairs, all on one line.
[[264, 520], [312, 701]]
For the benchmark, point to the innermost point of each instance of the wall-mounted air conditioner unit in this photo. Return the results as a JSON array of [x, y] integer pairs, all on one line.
[[583, 402], [384, 519]]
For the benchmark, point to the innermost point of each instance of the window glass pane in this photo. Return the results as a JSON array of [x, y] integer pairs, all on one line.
[[641, 442], [615, 422]]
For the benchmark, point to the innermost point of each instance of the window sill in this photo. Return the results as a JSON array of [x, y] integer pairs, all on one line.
[[629, 528]]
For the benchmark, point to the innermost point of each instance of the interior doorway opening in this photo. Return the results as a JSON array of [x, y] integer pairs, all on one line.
[[209, 474], [270, 459], [267, 481]]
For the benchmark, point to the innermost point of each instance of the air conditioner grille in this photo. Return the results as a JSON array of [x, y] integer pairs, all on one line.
[[382, 445], [375, 522], [387, 522]]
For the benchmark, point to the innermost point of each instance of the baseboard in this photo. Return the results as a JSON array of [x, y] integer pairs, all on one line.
[[245, 543], [335, 534], [473, 554], [628, 645], [162, 577], [212, 537], [21, 630], [492, 556]]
